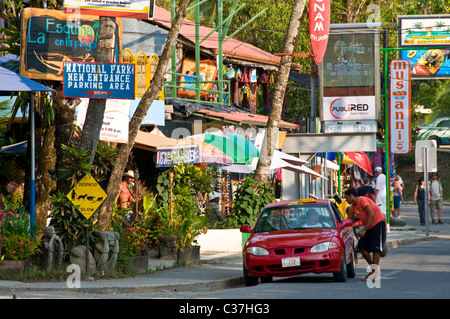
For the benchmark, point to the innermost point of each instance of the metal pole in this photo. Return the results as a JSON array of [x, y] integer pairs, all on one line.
[[87, 251], [33, 177], [197, 51], [174, 56], [220, 51], [425, 178]]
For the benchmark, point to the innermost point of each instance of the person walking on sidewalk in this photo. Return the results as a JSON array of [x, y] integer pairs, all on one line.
[[374, 231], [435, 198], [380, 190], [419, 198]]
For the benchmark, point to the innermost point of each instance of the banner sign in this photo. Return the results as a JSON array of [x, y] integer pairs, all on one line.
[[428, 31], [99, 80], [52, 37], [166, 157], [134, 9], [319, 27], [400, 107], [115, 119]]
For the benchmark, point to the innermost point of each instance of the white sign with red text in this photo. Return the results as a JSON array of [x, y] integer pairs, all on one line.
[[349, 108], [400, 107]]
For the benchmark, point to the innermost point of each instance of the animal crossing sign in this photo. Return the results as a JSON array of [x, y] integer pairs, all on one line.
[[87, 195]]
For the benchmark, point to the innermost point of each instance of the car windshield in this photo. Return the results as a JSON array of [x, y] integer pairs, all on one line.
[[294, 217]]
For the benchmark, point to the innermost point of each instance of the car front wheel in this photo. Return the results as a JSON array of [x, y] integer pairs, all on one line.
[[341, 275], [249, 280]]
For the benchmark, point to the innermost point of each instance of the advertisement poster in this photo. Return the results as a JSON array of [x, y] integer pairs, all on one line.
[[51, 37], [429, 39], [115, 120], [208, 70], [349, 84], [134, 9]]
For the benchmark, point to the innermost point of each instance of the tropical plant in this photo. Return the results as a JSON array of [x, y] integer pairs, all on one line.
[[70, 225], [250, 200], [17, 247]]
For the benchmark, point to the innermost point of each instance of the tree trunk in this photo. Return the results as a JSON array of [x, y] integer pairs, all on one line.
[[138, 116], [96, 108], [262, 172]]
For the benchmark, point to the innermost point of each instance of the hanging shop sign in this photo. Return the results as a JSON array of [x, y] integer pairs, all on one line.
[[400, 107], [187, 154], [135, 9], [349, 85], [319, 27], [429, 32], [99, 80], [51, 37]]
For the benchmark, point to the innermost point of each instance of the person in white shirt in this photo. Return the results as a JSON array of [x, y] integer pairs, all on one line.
[[435, 198], [380, 189]]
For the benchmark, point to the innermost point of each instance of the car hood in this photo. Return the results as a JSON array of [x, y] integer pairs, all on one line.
[[291, 238]]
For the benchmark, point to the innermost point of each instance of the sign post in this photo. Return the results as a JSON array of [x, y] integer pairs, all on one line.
[[426, 161], [87, 196]]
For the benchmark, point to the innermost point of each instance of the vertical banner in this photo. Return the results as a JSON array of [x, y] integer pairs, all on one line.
[[319, 27], [400, 107]]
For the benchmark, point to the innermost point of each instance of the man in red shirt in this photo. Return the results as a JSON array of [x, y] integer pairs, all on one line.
[[374, 231]]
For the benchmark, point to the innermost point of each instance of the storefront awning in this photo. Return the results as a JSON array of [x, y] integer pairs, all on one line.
[[151, 141], [240, 118]]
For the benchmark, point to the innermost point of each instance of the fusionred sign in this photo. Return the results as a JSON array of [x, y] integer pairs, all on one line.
[[319, 27]]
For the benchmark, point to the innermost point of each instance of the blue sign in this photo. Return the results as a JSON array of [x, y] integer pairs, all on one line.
[[99, 80], [187, 154], [428, 63]]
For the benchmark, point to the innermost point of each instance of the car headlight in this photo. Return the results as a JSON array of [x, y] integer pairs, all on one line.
[[257, 251], [319, 248]]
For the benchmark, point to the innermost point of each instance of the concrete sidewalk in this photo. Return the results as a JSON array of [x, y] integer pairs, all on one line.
[[222, 270]]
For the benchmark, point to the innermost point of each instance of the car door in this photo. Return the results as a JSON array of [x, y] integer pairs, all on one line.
[[346, 232]]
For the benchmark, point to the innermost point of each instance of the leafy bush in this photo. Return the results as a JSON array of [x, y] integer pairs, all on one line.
[[16, 247], [250, 200]]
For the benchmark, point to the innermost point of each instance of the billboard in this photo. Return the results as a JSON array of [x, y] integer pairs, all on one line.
[[51, 37], [427, 36], [135, 9], [349, 81]]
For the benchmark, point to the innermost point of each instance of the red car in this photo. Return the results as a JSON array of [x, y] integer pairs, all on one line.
[[297, 237]]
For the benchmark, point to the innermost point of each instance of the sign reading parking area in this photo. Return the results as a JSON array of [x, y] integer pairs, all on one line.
[[99, 80], [88, 195]]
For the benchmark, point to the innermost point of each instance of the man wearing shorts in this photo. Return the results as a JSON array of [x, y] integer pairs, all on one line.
[[374, 231]]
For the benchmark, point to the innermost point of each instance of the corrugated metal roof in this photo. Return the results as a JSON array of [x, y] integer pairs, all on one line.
[[244, 118], [232, 48]]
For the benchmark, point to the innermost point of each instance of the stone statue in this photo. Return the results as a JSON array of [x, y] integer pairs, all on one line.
[[53, 249], [106, 250], [78, 257]]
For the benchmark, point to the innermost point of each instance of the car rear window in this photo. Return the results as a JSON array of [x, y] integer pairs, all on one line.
[[294, 217]]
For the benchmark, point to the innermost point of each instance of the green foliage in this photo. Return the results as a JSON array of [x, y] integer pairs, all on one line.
[[17, 224], [250, 200], [76, 164], [190, 186], [69, 223], [15, 247]]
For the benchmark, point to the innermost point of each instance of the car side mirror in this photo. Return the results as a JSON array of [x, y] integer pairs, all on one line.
[[246, 229], [346, 223]]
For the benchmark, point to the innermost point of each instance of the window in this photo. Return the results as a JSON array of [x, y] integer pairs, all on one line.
[[294, 217]]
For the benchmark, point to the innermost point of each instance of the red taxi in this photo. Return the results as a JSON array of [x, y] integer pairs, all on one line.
[[297, 237]]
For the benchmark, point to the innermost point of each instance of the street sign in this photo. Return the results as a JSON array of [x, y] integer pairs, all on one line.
[[431, 160], [88, 195], [99, 80]]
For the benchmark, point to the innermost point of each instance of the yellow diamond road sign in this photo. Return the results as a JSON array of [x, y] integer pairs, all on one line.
[[88, 195]]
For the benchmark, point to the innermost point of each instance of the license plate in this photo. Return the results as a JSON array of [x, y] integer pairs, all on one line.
[[290, 262]]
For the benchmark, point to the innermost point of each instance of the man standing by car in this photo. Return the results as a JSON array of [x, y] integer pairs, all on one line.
[[374, 231]]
